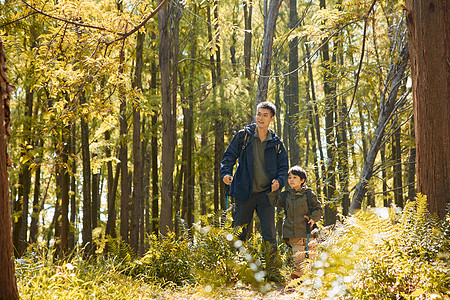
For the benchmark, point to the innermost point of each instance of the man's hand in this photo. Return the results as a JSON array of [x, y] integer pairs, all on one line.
[[227, 179], [275, 185]]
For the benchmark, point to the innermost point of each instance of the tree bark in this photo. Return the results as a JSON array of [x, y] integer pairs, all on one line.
[[73, 189], [428, 25], [168, 144], [397, 167], [138, 200], [20, 226], [412, 167], [8, 284], [293, 117], [87, 201], [123, 157], [248, 10], [154, 156], [65, 187]]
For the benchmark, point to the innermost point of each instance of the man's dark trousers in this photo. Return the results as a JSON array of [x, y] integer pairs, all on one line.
[[243, 214]]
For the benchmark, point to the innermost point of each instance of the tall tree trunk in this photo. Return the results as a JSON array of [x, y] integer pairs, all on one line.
[[20, 226], [73, 189], [292, 116], [316, 123], [412, 167], [8, 284], [429, 35], [95, 212], [168, 144], [343, 157], [87, 201], [110, 229], [386, 200], [123, 157], [397, 167], [34, 225], [330, 212], [248, 10], [65, 187], [138, 200], [188, 121], [154, 157], [270, 21]]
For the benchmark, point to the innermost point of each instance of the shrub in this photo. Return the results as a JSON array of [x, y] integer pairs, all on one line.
[[369, 257]]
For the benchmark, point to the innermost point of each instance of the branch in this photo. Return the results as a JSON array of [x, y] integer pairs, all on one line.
[[14, 21], [66, 20]]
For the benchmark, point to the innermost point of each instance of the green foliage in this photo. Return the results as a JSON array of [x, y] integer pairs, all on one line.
[[169, 260], [211, 256], [370, 257]]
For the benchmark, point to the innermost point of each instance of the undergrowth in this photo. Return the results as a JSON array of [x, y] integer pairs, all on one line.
[[367, 256], [398, 256]]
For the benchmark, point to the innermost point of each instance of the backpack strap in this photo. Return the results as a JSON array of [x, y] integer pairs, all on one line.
[[309, 199], [244, 142]]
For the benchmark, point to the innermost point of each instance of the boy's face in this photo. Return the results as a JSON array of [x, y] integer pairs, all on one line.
[[264, 118], [295, 181]]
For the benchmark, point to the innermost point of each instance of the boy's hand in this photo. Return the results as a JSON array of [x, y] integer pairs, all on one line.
[[310, 221], [275, 185], [227, 179]]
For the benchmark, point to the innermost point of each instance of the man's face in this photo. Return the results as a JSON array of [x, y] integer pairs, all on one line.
[[264, 118]]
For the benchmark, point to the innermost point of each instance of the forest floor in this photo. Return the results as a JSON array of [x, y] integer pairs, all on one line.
[[278, 291]]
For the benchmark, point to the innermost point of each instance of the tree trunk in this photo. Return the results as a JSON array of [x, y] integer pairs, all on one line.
[[270, 22], [188, 122], [8, 284], [20, 226], [111, 201], [138, 200], [87, 201], [293, 117], [123, 157], [154, 156], [168, 144], [397, 167], [343, 157], [387, 107], [248, 10], [429, 35], [65, 187], [34, 225], [386, 200], [412, 167], [330, 211], [73, 189]]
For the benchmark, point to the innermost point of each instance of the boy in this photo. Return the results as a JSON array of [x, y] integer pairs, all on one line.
[[302, 209]]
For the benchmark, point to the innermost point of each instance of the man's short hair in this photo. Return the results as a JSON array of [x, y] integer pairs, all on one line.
[[268, 105]]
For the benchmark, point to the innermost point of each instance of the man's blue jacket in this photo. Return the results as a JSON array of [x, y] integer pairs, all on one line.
[[275, 156]]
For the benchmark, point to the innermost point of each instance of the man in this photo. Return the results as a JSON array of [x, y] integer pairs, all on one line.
[[263, 167]]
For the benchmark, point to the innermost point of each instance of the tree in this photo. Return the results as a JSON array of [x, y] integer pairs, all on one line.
[[428, 32], [8, 285], [270, 22], [168, 116]]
